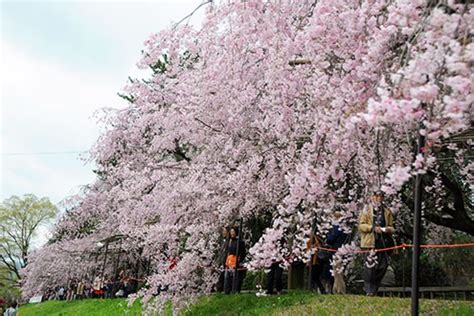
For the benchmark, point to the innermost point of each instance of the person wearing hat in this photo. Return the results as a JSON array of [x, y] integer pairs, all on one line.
[[376, 229]]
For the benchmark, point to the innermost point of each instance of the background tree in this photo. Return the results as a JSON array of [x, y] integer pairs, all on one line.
[[20, 218], [9, 289]]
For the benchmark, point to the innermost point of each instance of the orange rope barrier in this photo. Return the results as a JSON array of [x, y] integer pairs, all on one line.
[[403, 246], [469, 244]]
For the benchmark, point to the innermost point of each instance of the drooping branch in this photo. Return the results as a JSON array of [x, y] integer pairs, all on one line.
[[466, 226], [207, 125], [455, 218]]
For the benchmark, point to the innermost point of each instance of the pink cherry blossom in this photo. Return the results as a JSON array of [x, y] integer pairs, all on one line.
[[272, 109]]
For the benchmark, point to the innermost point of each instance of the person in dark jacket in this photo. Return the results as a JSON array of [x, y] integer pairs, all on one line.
[[274, 278], [275, 274], [314, 264], [233, 264], [335, 239], [221, 258]]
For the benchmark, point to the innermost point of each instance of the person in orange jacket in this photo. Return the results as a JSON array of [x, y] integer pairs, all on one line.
[[234, 261]]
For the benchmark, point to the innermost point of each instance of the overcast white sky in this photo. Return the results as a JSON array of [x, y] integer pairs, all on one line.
[[60, 62]]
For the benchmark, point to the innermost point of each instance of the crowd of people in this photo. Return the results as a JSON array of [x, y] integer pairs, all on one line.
[[100, 287], [375, 227]]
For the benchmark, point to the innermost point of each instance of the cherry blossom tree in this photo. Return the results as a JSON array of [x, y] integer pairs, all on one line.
[[281, 108]]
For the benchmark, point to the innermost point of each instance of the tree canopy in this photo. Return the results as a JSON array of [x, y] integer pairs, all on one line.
[[20, 218]]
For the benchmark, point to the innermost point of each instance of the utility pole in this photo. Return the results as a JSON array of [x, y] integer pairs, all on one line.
[[416, 235], [236, 271]]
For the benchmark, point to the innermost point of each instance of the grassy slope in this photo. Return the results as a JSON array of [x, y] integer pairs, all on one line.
[[294, 303], [92, 307], [304, 303]]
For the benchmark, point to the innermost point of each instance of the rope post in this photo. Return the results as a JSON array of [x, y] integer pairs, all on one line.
[[312, 236], [416, 236], [105, 261], [234, 281], [115, 285], [310, 265], [94, 271], [403, 269]]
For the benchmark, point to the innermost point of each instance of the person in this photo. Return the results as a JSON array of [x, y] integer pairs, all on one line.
[[124, 289], [274, 278], [376, 229], [275, 273], [129, 284], [51, 294], [335, 239], [2, 304], [109, 285], [71, 290], [221, 258], [88, 289], [97, 287], [233, 264], [312, 245], [11, 310], [80, 290], [61, 293], [339, 286]]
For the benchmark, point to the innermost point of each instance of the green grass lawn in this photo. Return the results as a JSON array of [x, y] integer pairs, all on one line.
[[293, 303], [92, 307], [305, 303]]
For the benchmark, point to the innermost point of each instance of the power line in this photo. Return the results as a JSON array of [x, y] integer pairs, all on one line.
[[44, 153]]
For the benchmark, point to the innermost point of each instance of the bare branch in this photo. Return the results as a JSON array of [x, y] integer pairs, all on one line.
[[190, 14], [297, 62], [207, 125]]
